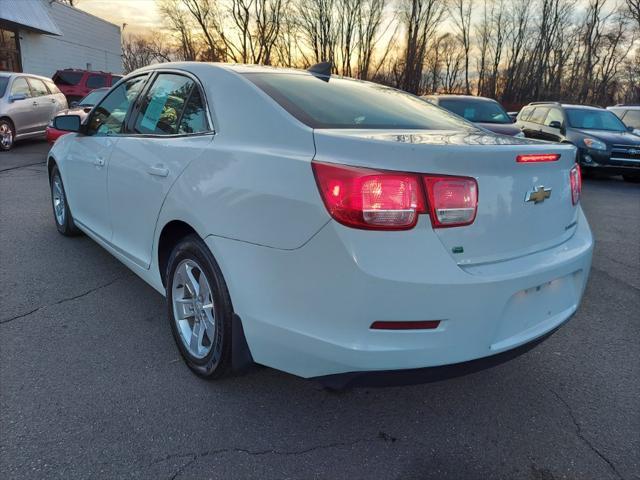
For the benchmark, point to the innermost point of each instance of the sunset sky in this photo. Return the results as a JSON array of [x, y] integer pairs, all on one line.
[[139, 15]]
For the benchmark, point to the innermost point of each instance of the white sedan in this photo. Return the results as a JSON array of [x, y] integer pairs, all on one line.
[[324, 226]]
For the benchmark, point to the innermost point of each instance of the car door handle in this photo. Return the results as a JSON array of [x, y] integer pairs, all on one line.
[[35, 104], [158, 171], [99, 162]]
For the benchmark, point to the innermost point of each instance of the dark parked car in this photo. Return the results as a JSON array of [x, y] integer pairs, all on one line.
[[604, 142], [76, 84], [629, 114], [484, 112]]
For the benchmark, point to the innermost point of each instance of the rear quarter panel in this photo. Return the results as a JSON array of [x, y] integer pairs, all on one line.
[[254, 183]]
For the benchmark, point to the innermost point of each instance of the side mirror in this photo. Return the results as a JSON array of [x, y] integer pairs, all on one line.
[[17, 96], [73, 104], [555, 124], [67, 123]]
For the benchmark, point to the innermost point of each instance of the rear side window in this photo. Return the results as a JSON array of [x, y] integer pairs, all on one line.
[[38, 87], [538, 115], [96, 81], [109, 116], [67, 78], [194, 116], [19, 86], [333, 102], [163, 106]]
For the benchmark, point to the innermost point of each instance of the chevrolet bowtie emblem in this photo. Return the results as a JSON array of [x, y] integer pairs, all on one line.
[[538, 194]]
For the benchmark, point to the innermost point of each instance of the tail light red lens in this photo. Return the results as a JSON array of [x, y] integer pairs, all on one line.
[[575, 175], [386, 200], [453, 201], [370, 199]]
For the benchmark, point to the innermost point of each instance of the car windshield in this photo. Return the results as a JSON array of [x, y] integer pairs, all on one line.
[[333, 102], [92, 98], [594, 120], [481, 111], [4, 81], [67, 78]]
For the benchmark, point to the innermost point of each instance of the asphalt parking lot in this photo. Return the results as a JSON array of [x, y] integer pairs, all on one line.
[[92, 385]]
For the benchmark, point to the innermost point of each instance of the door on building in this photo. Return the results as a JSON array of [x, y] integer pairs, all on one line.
[[9, 51]]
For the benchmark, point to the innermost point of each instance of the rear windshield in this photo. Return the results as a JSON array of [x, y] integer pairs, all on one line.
[[67, 78], [4, 81], [480, 111], [322, 102], [594, 120]]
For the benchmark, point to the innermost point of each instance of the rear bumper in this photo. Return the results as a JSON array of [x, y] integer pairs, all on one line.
[[308, 311]]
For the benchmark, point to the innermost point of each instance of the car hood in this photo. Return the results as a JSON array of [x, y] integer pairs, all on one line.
[[501, 128], [626, 138], [82, 112]]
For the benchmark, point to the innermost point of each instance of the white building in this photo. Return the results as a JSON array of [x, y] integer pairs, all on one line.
[[42, 36]]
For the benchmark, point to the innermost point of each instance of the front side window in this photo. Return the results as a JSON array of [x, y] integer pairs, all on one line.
[[554, 115], [108, 118], [67, 78], [333, 102], [92, 98], [4, 81], [20, 86], [96, 81], [38, 87], [538, 115], [477, 110], [164, 106], [594, 120], [632, 119]]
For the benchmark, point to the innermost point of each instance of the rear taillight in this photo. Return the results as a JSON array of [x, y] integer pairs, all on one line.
[[575, 175], [386, 200], [370, 199], [453, 201], [537, 157]]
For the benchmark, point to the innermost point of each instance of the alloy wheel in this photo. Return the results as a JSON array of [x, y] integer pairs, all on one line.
[[58, 200], [193, 310], [6, 136]]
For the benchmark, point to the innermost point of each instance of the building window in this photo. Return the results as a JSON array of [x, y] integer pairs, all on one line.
[[9, 51]]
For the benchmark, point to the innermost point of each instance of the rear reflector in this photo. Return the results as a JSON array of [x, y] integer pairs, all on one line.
[[452, 201], [418, 325], [537, 157], [575, 175]]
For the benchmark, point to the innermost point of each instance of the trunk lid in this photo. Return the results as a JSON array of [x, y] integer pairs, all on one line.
[[506, 226]]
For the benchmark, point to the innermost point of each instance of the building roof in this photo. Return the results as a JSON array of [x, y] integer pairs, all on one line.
[[30, 15]]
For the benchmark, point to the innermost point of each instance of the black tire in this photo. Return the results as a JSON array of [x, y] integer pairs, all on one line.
[[632, 177], [217, 363], [6, 126], [66, 227]]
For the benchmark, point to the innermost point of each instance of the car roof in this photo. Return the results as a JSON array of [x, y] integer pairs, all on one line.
[[624, 107], [461, 97], [563, 105], [23, 74]]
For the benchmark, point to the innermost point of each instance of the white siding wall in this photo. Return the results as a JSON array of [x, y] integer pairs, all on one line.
[[86, 39]]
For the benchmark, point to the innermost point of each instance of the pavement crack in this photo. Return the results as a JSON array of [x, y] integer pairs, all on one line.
[[64, 300], [195, 456], [21, 166], [581, 436]]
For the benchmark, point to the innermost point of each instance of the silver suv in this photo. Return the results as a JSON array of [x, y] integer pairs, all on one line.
[[27, 103]]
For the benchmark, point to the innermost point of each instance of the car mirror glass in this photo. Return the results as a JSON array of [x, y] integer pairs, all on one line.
[[555, 124], [67, 123]]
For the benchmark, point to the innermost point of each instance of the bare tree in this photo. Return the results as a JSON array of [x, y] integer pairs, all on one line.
[[369, 30], [139, 51], [182, 26], [461, 14]]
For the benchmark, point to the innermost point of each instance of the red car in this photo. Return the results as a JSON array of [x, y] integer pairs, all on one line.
[[75, 84], [81, 108]]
